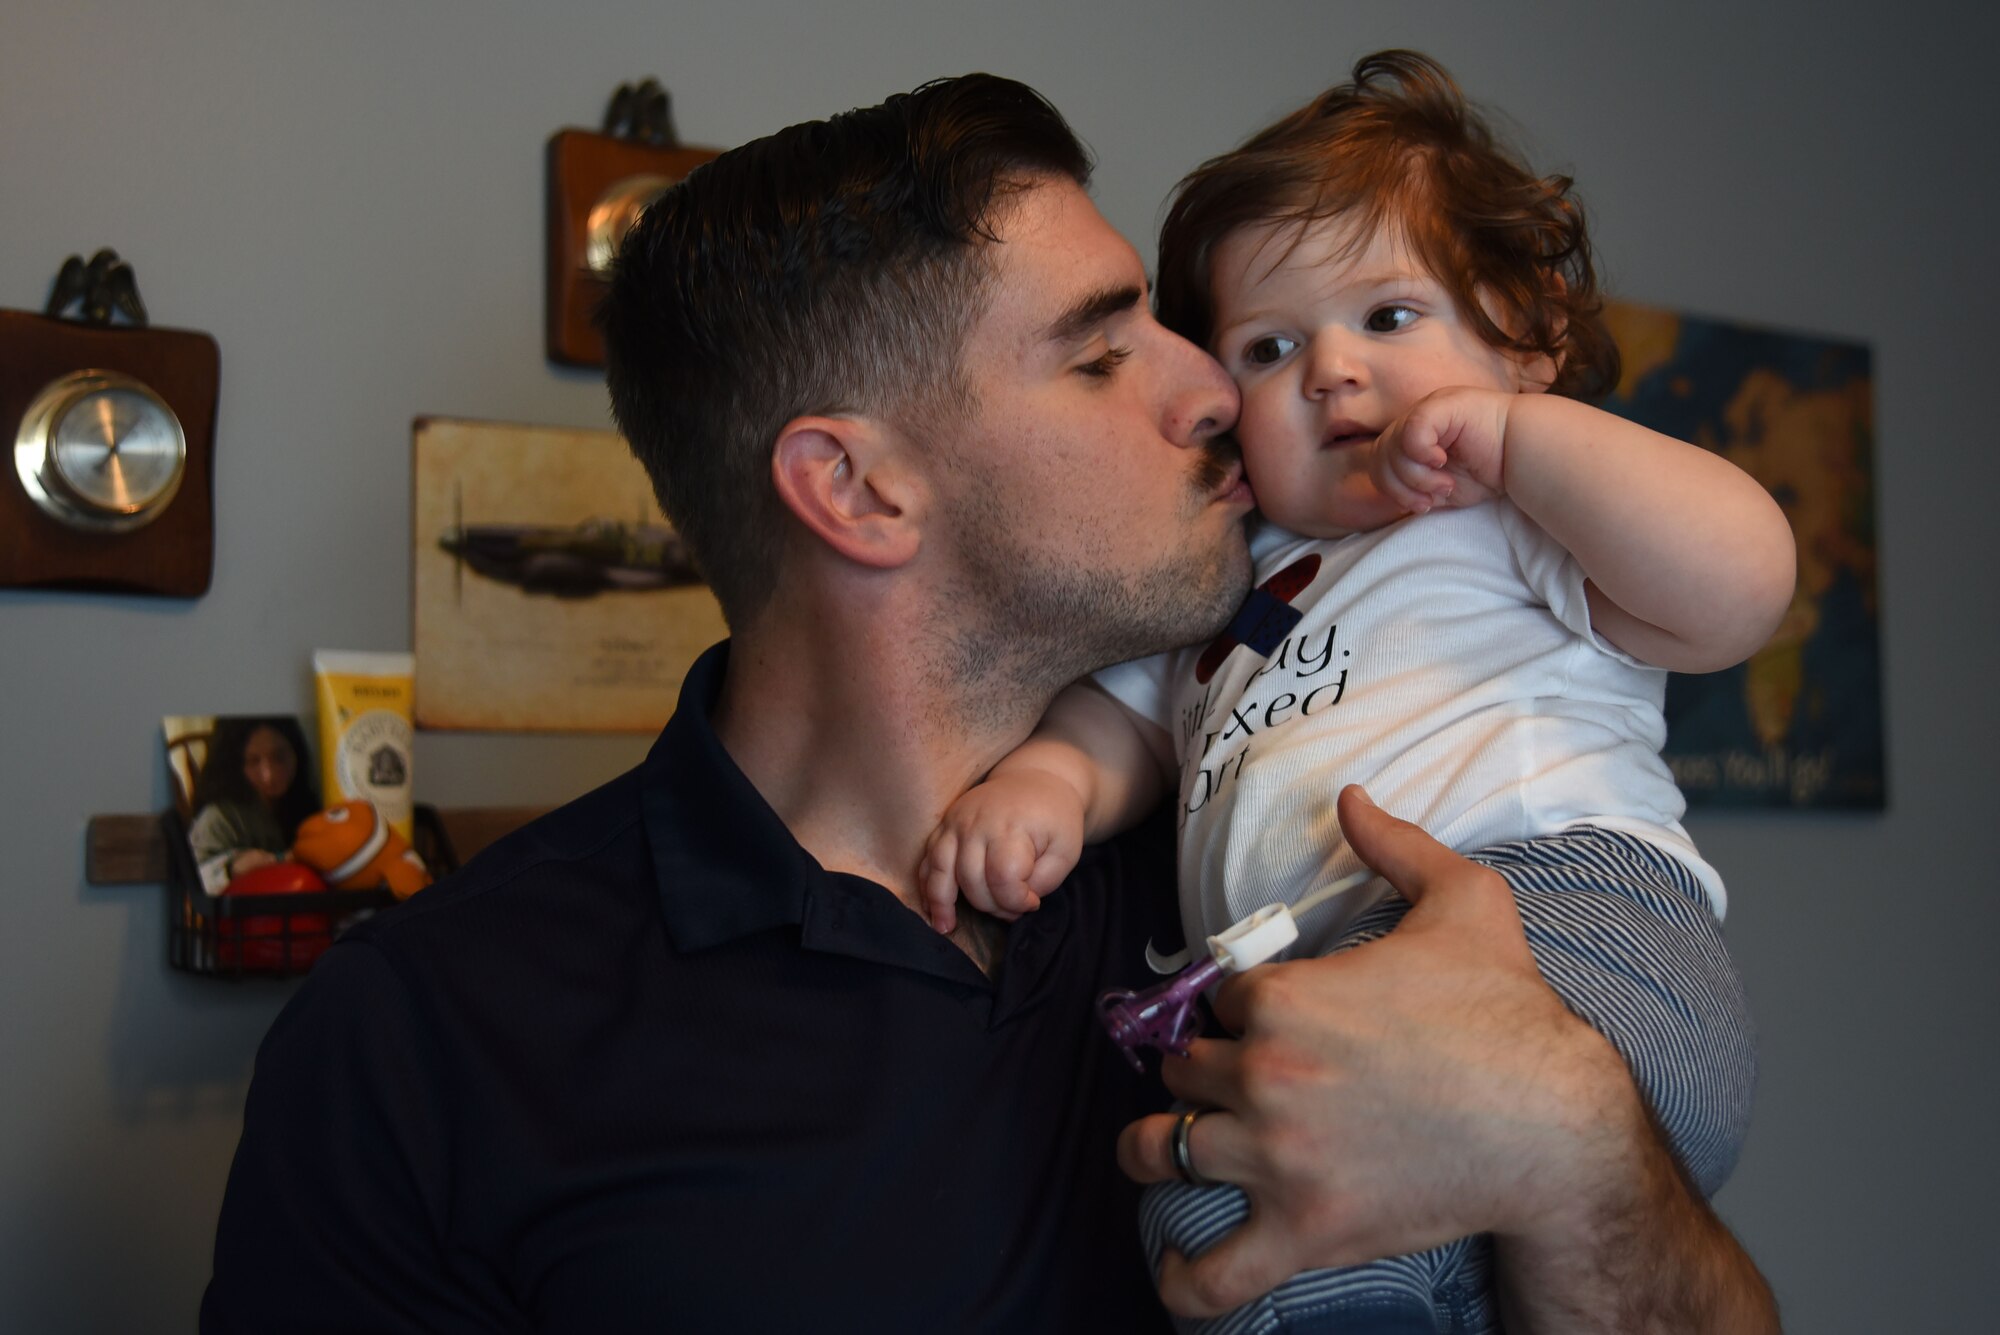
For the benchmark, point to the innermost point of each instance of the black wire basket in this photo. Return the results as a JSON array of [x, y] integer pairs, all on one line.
[[269, 936]]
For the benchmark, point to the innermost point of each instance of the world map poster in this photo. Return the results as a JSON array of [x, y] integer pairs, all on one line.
[[1800, 724]]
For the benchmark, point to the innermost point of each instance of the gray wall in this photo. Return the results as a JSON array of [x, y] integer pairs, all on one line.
[[349, 198]]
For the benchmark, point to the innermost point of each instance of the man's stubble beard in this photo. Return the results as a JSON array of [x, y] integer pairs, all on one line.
[[1026, 624]]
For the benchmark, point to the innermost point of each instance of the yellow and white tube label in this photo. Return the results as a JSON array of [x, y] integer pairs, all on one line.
[[366, 738]]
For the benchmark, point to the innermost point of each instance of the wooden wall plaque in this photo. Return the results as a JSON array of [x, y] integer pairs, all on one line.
[[174, 554], [584, 167]]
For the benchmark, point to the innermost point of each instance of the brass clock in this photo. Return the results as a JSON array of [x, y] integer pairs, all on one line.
[[99, 450], [113, 434]]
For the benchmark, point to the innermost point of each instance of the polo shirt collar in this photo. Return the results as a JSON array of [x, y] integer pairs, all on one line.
[[727, 866]]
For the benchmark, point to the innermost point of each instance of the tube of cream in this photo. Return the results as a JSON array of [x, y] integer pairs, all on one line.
[[365, 732]]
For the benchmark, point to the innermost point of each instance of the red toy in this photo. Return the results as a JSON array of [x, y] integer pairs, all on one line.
[[274, 943]]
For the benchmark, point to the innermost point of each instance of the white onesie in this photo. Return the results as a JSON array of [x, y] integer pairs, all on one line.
[[1447, 663]]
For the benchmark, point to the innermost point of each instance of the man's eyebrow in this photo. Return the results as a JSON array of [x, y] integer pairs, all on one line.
[[1093, 309]]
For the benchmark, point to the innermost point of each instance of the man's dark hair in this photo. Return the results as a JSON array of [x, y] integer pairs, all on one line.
[[834, 267], [1400, 146]]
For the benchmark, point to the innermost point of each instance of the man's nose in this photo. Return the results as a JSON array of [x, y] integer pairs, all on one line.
[[1208, 402]]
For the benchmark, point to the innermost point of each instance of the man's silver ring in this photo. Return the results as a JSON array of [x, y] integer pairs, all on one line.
[[1183, 1155]]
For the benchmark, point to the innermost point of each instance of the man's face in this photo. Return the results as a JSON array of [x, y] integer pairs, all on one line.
[[1091, 513]]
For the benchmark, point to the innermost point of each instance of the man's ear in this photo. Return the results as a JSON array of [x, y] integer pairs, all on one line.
[[846, 479]]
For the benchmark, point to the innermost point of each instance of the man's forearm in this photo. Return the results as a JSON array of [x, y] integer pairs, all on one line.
[[1640, 1251]]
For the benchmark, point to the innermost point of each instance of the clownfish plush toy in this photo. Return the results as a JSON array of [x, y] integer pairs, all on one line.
[[354, 849]]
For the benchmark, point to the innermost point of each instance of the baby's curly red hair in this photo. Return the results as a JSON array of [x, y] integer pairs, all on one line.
[[1401, 146]]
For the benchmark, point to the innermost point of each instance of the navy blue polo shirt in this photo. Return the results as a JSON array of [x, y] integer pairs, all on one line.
[[645, 1065]]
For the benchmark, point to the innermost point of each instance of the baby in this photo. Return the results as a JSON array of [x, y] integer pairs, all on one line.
[[1470, 586]]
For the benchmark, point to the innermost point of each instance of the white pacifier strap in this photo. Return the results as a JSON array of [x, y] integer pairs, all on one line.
[[1259, 937]]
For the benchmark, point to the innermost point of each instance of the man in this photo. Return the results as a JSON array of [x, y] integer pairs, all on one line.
[[685, 1054]]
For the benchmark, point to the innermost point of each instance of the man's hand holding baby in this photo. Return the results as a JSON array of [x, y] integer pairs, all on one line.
[[1448, 451]]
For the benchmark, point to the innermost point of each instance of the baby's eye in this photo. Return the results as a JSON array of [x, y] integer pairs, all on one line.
[[1268, 349], [1389, 319]]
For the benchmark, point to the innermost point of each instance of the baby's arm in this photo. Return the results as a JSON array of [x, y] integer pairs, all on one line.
[[1091, 769], [1690, 562]]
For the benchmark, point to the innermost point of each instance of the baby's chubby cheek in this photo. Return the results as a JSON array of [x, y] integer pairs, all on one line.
[[1270, 449]]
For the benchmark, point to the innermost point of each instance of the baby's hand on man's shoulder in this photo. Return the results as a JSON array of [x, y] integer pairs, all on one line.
[[1002, 845], [1447, 452]]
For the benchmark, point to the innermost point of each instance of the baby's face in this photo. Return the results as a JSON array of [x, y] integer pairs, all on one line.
[[1330, 342]]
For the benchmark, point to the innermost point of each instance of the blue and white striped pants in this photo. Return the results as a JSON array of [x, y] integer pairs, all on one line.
[[1625, 936]]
